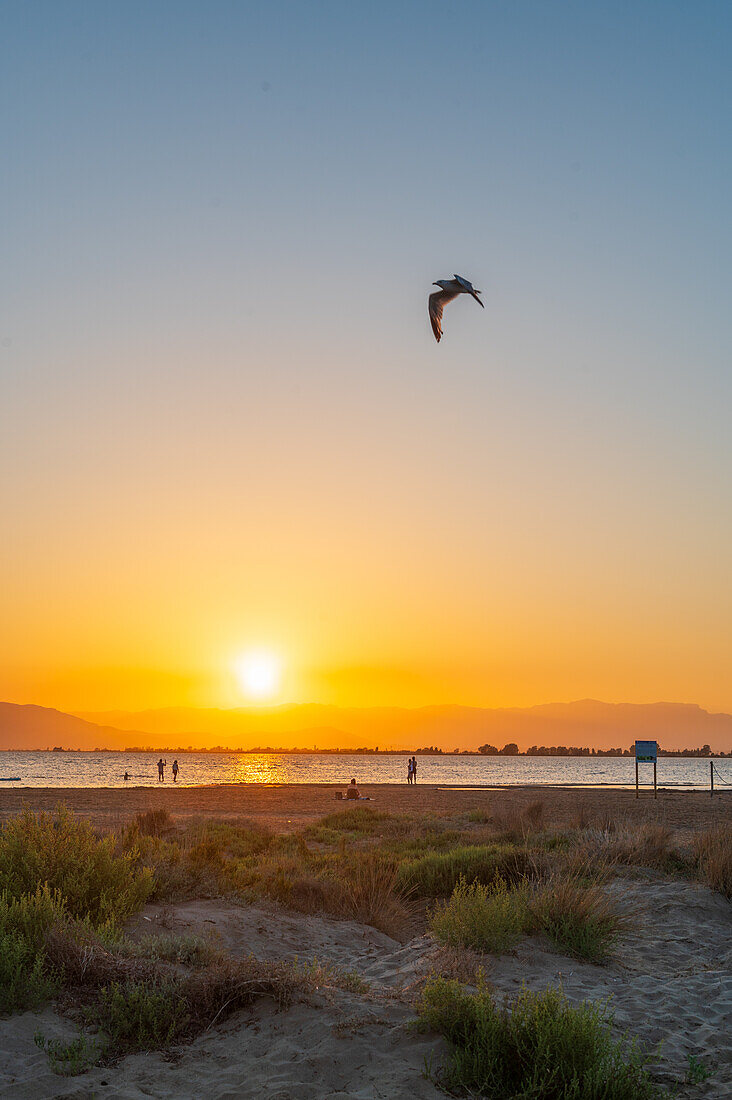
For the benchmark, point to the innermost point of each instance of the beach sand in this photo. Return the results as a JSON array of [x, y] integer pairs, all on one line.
[[290, 807], [670, 980]]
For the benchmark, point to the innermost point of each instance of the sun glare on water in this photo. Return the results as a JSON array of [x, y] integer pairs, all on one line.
[[258, 673]]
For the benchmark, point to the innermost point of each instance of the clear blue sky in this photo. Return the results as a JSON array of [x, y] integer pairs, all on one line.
[[220, 222]]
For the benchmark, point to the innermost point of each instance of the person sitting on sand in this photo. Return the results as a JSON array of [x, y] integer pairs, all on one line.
[[352, 791], [175, 771]]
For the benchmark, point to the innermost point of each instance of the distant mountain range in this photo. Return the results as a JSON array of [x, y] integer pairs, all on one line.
[[584, 722]]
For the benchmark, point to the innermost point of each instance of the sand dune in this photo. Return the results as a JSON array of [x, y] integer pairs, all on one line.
[[670, 983]]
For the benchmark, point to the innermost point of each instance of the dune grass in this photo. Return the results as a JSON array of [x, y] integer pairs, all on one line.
[[437, 874], [713, 853], [538, 1047], [579, 918]]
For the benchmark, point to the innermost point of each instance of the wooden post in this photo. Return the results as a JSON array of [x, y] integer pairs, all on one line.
[[655, 789], [636, 777], [711, 778]]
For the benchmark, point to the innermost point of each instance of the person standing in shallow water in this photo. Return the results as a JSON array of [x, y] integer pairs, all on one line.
[[175, 771], [409, 770], [414, 769], [161, 770]]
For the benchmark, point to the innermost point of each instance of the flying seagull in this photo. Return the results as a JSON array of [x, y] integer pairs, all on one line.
[[450, 288]]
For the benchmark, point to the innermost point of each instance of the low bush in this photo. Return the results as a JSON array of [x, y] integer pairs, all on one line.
[[713, 852], [27, 977], [140, 1015], [483, 918], [537, 1048], [73, 1058], [97, 883]]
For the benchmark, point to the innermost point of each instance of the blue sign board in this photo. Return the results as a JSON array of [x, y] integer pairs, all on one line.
[[646, 752]]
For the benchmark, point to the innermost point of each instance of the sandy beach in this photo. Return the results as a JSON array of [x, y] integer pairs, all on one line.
[[287, 808]]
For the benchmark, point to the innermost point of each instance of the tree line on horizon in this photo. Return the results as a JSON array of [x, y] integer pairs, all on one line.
[[512, 749], [509, 749]]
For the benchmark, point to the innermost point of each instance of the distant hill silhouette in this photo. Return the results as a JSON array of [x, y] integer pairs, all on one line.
[[584, 722], [31, 727]]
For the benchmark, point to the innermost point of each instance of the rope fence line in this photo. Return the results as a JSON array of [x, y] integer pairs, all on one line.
[[720, 777]]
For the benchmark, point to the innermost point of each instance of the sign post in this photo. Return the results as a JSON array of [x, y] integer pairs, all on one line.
[[646, 752]]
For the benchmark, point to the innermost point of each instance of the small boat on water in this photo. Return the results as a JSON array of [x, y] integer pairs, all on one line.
[[9, 779]]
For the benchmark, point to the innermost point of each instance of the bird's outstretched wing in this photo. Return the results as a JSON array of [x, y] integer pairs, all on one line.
[[437, 302], [469, 289]]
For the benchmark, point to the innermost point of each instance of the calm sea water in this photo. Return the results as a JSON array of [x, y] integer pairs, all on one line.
[[106, 769]]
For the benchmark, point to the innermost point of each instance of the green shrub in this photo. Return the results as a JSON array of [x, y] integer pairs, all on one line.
[[581, 920], [73, 1058], [537, 1048], [483, 918], [26, 979], [141, 1015], [96, 882], [437, 874]]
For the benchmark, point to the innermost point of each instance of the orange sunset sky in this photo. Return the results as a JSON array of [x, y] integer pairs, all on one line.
[[226, 429]]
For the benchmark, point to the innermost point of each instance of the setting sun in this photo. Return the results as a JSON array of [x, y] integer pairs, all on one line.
[[258, 673]]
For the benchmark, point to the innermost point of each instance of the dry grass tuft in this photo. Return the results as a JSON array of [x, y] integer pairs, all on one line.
[[632, 845], [517, 824], [373, 895], [713, 852], [580, 918], [533, 815], [154, 823], [75, 952], [231, 984], [459, 964]]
